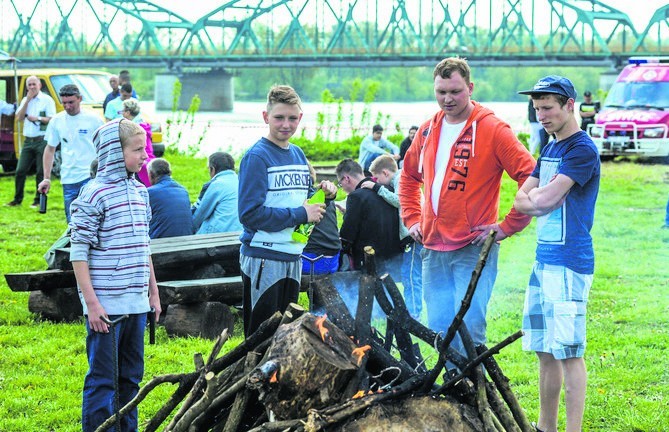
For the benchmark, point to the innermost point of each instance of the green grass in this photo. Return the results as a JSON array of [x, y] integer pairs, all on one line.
[[42, 364]]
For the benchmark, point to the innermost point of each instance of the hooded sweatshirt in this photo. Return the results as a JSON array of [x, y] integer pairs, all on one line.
[[110, 230], [469, 196]]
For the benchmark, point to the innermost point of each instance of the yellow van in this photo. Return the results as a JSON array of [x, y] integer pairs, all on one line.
[[93, 85]]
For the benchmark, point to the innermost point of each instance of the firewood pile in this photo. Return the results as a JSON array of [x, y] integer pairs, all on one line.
[[332, 371]]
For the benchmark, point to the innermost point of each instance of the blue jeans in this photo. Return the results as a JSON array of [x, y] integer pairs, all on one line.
[[70, 193], [446, 276], [412, 279], [98, 397]]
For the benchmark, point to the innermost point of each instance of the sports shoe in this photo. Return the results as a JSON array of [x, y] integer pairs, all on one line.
[[13, 203], [35, 204]]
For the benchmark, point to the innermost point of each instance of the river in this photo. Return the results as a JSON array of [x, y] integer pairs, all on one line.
[[235, 131]]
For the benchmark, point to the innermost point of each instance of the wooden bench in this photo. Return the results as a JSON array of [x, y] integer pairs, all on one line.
[[179, 251], [198, 280], [228, 290]]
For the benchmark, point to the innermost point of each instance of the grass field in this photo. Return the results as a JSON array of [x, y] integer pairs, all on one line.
[[42, 364]]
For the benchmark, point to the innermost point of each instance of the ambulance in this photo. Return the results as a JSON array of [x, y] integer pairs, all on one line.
[[634, 119]]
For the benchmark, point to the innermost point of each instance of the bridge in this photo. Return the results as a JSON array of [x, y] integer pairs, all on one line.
[[324, 33]]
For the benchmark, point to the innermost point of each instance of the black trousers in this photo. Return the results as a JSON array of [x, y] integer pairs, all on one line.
[[32, 152]]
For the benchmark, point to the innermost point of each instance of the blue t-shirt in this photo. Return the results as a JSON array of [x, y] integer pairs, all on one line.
[[563, 236]]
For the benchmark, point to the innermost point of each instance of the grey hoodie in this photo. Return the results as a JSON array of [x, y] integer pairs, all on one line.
[[110, 230]]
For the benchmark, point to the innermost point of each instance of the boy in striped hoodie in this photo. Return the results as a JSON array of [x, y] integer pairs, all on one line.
[[112, 264]]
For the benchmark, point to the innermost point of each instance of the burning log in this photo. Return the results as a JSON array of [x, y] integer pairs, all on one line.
[[307, 348]]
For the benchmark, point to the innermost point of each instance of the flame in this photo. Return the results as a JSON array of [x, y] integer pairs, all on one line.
[[359, 394], [360, 352], [321, 328], [273, 379]]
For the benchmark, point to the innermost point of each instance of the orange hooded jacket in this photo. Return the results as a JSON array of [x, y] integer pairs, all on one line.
[[469, 197]]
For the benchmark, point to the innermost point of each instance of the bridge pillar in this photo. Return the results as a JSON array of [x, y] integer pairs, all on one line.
[[215, 89]]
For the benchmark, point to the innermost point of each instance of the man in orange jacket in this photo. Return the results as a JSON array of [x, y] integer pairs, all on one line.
[[458, 156]]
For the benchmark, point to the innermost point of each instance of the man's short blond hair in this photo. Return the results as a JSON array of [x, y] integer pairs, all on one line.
[[383, 162], [448, 66], [283, 94], [128, 129]]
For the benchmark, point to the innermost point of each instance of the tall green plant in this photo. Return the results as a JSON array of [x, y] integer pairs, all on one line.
[[181, 125]]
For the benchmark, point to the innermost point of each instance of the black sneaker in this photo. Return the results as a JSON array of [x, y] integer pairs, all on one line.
[[35, 204], [13, 203]]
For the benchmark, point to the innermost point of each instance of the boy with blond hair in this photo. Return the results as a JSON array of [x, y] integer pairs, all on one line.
[[274, 183], [385, 170], [112, 264]]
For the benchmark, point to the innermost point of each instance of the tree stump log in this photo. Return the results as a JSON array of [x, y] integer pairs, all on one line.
[[303, 371], [62, 305], [416, 414], [206, 320]]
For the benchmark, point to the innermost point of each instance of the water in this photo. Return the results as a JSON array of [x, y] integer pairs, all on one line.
[[235, 131]]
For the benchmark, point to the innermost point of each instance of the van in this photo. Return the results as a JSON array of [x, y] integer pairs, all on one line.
[[93, 85], [634, 119]]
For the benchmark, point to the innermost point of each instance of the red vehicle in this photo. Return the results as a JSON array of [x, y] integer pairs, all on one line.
[[634, 119]]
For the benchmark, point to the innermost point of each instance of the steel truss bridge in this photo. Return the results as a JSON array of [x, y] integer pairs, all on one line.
[[324, 33]]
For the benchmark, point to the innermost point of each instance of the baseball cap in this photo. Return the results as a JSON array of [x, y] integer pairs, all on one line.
[[552, 84]]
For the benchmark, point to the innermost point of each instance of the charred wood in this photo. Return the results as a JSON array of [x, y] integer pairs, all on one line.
[[502, 384]]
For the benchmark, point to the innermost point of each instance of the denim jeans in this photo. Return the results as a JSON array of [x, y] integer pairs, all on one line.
[[98, 397], [446, 276], [70, 193], [412, 279]]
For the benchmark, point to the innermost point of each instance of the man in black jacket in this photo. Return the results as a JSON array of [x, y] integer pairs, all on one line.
[[369, 221]]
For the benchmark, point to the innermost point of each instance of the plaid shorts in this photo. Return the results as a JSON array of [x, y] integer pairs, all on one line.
[[554, 312]]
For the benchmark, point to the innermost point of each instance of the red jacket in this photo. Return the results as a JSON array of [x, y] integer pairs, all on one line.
[[469, 197]]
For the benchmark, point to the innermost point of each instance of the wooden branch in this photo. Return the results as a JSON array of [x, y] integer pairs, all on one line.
[[369, 261], [203, 369], [184, 381], [363, 318], [432, 376], [174, 400], [500, 409], [185, 422], [293, 312], [479, 359], [216, 402], [502, 383], [264, 332], [401, 318], [479, 380], [241, 401]]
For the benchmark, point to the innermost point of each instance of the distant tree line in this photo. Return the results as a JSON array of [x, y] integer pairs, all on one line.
[[498, 84]]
